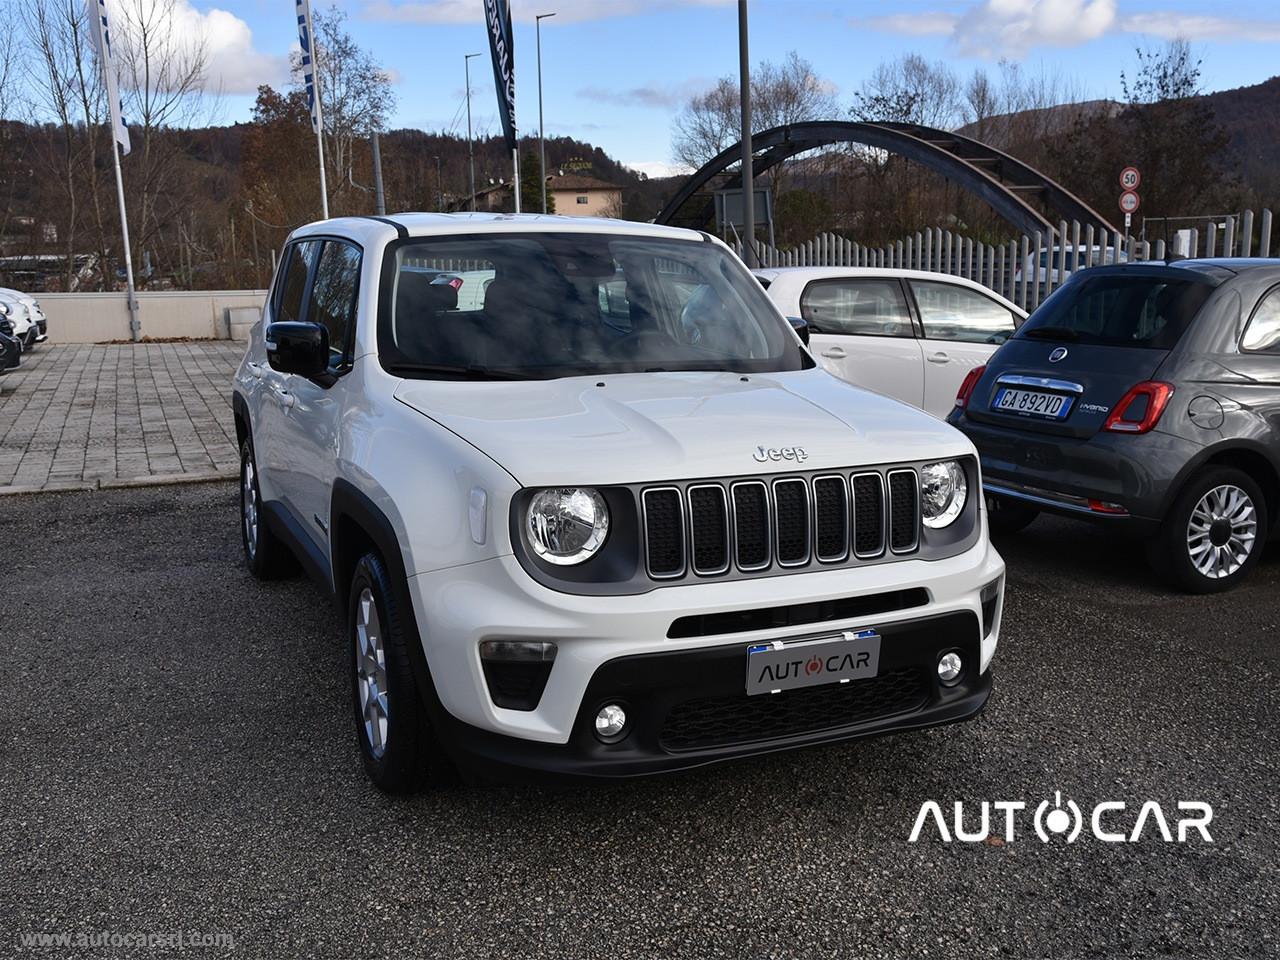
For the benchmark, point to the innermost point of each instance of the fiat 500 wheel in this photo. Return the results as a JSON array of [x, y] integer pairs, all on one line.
[[1215, 532]]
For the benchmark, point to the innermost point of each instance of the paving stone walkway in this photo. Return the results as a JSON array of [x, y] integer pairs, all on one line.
[[86, 416]]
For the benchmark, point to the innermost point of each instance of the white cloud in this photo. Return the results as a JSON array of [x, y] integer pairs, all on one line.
[[234, 64], [659, 168], [1187, 26], [472, 11], [926, 24], [659, 95], [1011, 28]]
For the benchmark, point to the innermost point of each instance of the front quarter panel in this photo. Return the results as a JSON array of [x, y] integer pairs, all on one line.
[[421, 477]]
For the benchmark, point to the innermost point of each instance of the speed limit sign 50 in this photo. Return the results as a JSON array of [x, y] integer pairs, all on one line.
[[1130, 178]]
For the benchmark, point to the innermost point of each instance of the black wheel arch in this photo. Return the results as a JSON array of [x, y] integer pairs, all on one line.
[[357, 526], [240, 412]]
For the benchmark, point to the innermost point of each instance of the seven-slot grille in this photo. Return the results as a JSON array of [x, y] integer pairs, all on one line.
[[710, 528]]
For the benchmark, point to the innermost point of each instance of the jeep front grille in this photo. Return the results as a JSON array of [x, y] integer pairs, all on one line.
[[750, 525]]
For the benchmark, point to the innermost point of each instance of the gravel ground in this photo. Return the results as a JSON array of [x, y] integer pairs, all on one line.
[[178, 755]]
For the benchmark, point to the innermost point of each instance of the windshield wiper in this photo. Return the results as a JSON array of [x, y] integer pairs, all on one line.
[[472, 371], [1051, 333]]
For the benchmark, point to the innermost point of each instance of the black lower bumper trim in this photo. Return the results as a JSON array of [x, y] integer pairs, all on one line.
[[689, 708]]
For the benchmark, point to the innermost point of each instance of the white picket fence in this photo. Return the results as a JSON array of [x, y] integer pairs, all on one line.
[[1009, 269]]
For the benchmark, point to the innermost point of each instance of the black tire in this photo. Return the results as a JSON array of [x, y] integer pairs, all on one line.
[[266, 556], [1006, 516], [1170, 551], [407, 758]]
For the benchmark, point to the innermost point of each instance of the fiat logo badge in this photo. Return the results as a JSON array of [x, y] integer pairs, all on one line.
[[1059, 353]]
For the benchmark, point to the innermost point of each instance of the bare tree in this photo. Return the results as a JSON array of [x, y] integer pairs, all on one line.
[[9, 78], [163, 74], [1172, 134], [8, 60], [788, 92], [355, 95], [910, 90], [61, 83]]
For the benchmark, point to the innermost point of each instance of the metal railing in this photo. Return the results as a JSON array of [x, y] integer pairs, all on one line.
[[1026, 270]]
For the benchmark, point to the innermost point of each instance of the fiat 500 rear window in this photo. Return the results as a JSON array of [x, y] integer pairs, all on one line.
[[1121, 311]]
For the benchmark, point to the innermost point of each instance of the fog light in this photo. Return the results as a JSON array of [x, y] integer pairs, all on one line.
[[610, 722], [522, 651], [949, 667]]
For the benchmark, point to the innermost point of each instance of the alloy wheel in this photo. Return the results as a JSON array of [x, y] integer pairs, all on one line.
[[249, 499], [371, 673], [1222, 531]]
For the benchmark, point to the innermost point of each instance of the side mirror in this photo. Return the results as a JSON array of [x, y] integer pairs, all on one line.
[[297, 347], [801, 327]]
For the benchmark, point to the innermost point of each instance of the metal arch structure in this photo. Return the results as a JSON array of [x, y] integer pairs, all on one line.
[[1006, 184]]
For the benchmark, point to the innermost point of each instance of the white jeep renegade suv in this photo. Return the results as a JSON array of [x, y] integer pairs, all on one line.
[[601, 514]]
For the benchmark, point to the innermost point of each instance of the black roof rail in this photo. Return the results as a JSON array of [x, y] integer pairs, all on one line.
[[401, 231]]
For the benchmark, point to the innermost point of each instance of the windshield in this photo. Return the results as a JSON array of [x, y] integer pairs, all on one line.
[[542, 305], [1119, 310]]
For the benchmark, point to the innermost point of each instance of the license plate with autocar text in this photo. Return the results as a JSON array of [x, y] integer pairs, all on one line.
[[774, 667]]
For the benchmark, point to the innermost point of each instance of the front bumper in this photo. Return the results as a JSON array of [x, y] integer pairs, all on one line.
[[619, 647], [687, 709]]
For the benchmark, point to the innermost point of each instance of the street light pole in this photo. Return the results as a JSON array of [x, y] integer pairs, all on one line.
[[748, 185], [542, 138], [471, 150]]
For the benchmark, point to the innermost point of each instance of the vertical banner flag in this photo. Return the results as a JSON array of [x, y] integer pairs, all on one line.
[[110, 79], [308, 61], [497, 15]]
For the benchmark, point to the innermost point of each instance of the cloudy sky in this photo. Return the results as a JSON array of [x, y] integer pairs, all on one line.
[[616, 71]]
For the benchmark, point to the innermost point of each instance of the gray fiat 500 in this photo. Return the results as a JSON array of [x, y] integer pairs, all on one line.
[[1146, 396]]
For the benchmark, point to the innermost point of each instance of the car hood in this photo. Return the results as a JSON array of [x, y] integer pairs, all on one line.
[[641, 428], [16, 296]]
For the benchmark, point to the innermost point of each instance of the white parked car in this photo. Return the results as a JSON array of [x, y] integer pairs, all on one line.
[[1056, 263], [907, 334], [611, 519], [23, 311]]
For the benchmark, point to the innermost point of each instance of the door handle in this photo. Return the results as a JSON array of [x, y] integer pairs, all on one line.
[[835, 353], [939, 358], [284, 397], [255, 369]]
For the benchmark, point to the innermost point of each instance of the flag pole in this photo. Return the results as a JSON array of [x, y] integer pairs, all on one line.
[[324, 188], [317, 114], [135, 326], [119, 141], [515, 175]]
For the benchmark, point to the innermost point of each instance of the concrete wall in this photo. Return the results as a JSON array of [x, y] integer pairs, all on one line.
[[202, 314]]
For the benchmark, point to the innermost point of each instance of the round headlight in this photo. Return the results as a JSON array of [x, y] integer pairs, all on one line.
[[943, 492], [567, 525], [4, 309]]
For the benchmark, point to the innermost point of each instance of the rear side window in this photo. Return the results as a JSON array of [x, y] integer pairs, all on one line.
[[333, 297], [1120, 310], [292, 282], [867, 308], [1263, 332], [951, 312]]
